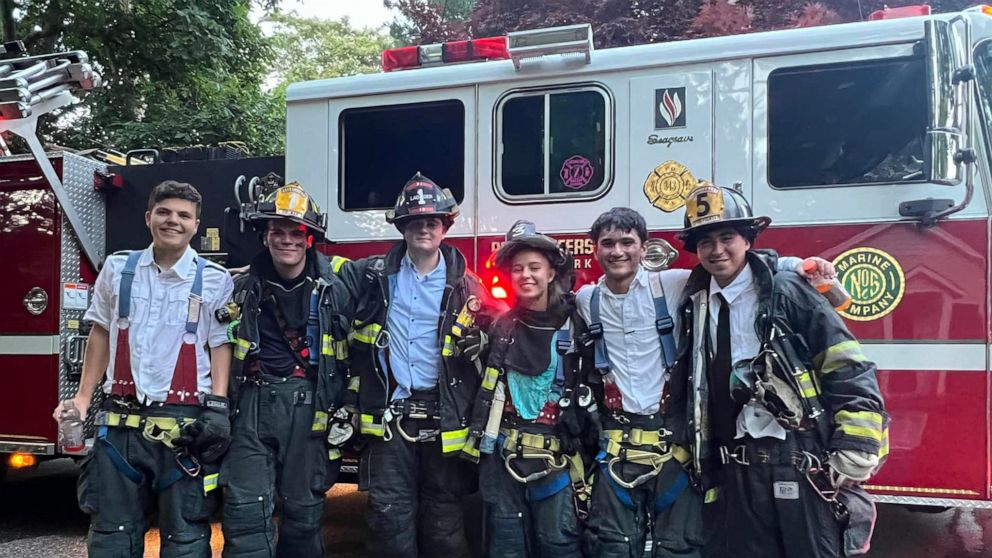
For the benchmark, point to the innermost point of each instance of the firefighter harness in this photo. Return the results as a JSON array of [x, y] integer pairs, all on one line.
[[629, 443], [183, 390]]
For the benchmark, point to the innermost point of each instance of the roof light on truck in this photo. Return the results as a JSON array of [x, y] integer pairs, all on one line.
[[900, 12], [475, 50]]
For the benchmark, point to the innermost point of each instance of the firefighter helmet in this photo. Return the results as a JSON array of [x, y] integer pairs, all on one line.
[[708, 207], [522, 235], [287, 202], [421, 197]]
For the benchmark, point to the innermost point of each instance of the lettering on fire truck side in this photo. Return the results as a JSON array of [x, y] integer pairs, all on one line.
[[581, 248]]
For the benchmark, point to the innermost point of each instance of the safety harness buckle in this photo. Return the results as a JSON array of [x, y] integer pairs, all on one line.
[[664, 325], [736, 455], [596, 330]]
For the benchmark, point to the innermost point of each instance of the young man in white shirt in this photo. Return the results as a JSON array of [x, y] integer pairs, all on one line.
[[641, 498], [783, 411], [165, 420]]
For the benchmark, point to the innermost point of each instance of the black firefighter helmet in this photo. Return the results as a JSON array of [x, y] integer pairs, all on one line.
[[523, 235], [286, 202], [710, 207], [421, 197]]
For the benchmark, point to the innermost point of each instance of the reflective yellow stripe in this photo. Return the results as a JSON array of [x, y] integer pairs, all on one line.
[[209, 483], [368, 333], [712, 495], [341, 349], [354, 383], [319, 421], [470, 448], [883, 451], [489, 379], [807, 385], [369, 425], [453, 440], [449, 348], [333, 454], [326, 345], [241, 347], [864, 424], [839, 355], [332, 347], [337, 262]]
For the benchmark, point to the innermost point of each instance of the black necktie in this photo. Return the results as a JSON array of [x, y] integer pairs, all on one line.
[[722, 407]]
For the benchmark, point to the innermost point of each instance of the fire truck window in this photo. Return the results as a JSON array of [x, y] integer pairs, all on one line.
[[553, 144], [850, 123], [382, 147], [983, 62]]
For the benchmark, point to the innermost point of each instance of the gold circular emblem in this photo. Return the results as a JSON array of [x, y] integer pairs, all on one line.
[[668, 185], [875, 281]]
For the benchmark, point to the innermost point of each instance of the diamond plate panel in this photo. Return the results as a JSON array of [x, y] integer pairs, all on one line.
[[937, 502], [77, 180]]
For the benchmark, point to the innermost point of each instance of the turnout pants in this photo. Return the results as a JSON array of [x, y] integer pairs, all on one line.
[[770, 509], [665, 510], [415, 496], [118, 500], [276, 458], [528, 520]]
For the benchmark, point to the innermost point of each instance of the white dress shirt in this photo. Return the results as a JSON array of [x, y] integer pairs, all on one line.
[[742, 296], [159, 303], [631, 337]]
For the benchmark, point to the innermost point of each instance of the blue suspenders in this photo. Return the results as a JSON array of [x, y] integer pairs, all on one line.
[[663, 324]]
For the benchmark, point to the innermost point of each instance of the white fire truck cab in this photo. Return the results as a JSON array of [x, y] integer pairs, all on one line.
[[866, 143]]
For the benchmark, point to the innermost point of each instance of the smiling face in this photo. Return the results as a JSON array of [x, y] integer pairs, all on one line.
[[173, 223], [531, 274], [619, 253], [723, 253], [287, 242], [424, 235]]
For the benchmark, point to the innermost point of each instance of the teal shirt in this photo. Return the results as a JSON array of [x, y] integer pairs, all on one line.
[[530, 393]]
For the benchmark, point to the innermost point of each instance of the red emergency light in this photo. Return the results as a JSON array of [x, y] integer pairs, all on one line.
[[900, 12], [453, 52]]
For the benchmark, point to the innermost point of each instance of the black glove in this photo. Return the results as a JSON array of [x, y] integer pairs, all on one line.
[[472, 343], [210, 435]]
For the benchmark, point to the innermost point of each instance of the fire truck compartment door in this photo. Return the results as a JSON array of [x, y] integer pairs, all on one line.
[[839, 137], [671, 143]]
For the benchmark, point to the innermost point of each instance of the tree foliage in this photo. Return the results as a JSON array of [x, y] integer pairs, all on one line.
[[306, 49], [430, 21], [626, 22], [176, 72]]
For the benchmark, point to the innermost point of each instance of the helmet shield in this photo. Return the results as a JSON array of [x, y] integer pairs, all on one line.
[[709, 207], [287, 202]]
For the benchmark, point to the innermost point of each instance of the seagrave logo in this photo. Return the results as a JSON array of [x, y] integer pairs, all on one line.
[[875, 281], [669, 111]]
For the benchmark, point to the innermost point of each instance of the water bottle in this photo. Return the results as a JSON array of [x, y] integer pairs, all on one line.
[[832, 289], [71, 428]]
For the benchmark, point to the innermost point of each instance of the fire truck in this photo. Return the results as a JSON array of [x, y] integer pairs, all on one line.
[[867, 144]]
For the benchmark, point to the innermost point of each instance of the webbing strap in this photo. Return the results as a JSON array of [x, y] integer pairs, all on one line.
[[662, 320], [548, 487], [563, 342], [195, 297], [174, 474], [127, 279], [116, 458], [602, 357]]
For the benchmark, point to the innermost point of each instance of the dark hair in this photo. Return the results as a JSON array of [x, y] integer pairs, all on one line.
[[170, 189], [622, 219]]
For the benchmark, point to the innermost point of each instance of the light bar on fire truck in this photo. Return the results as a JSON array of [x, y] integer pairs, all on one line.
[[553, 40], [453, 52]]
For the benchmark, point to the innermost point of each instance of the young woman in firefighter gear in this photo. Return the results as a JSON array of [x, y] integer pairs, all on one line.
[[417, 375], [642, 503], [164, 422], [290, 371], [779, 404], [525, 421]]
